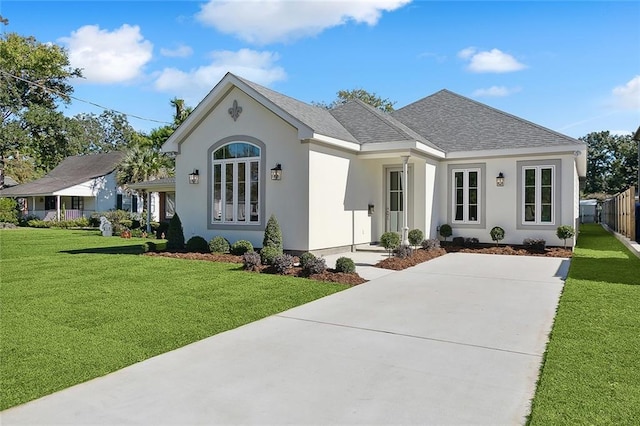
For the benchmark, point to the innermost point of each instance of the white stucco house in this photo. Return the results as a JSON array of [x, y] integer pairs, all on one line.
[[79, 186], [342, 177]]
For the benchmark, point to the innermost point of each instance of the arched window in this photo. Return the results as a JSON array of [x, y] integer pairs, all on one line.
[[236, 184]]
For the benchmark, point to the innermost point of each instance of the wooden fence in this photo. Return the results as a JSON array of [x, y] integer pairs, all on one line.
[[619, 213]]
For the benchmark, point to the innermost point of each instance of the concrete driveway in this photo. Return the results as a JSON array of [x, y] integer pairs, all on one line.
[[456, 340]]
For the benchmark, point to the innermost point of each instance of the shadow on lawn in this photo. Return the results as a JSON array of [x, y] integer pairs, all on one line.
[[132, 249]]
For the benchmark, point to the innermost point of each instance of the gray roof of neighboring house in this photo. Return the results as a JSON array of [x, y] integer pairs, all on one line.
[[455, 123], [9, 182], [71, 171], [318, 118], [370, 125]]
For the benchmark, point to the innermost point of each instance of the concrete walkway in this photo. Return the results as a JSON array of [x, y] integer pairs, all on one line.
[[456, 340]]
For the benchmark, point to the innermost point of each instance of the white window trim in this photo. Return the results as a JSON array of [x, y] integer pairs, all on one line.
[[538, 189], [235, 161], [465, 196]]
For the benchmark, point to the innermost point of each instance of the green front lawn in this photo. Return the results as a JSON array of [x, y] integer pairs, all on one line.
[[591, 372], [75, 305]]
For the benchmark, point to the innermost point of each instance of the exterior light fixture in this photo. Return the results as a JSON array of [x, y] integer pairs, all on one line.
[[370, 209], [276, 172], [500, 179], [194, 177]]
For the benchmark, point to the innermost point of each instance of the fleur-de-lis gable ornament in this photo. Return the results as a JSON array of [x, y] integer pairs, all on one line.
[[235, 110]]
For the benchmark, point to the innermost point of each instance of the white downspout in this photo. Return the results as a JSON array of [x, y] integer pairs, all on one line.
[[405, 200]]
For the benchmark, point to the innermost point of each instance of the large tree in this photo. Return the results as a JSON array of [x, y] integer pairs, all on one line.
[[344, 96], [34, 81], [612, 162]]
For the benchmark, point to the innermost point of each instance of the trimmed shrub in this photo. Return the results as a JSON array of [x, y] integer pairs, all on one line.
[[162, 229], [458, 241], [219, 244], [197, 244], [415, 237], [535, 244], [471, 242], [431, 244], [268, 254], [305, 258], [175, 235], [402, 251], [157, 245], [564, 232], [8, 210], [497, 234], [251, 261], [390, 241], [346, 265], [282, 263], [446, 231], [317, 265], [37, 223], [240, 247], [272, 234]]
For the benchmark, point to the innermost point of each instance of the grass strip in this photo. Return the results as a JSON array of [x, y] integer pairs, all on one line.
[[591, 371]]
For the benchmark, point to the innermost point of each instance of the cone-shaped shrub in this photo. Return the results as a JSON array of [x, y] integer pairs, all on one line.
[[175, 235], [272, 234]]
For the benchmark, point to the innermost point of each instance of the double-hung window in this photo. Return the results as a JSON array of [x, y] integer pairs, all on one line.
[[466, 195], [539, 195], [236, 184]]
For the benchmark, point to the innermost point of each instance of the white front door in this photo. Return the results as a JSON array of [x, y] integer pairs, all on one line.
[[394, 201]]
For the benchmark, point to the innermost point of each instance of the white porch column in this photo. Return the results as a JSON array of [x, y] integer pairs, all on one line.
[[32, 210], [148, 212], [405, 200], [58, 208]]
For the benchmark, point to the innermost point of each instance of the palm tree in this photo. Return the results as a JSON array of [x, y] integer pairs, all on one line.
[[143, 163]]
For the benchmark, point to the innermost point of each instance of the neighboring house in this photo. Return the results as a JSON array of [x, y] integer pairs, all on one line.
[[342, 177], [79, 186]]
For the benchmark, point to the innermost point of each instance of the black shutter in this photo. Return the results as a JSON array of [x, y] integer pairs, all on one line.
[[134, 203], [119, 202]]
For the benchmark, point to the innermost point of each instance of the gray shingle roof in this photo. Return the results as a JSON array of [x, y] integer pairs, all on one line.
[[156, 183], [455, 123], [72, 171], [318, 118], [370, 125]]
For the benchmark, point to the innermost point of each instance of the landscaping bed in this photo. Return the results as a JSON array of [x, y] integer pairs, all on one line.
[[329, 275], [421, 255]]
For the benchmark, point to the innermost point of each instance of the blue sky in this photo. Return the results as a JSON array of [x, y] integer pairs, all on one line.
[[573, 67]]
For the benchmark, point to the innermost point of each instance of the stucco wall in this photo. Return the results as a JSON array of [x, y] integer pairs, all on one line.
[[287, 199], [501, 203], [341, 187]]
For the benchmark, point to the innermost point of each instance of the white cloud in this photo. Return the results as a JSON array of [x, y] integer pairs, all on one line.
[[467, 53], [108, 56], [496, 91], [628, 96], [181, 51], [268, 21], [193, 85], [493, 60]]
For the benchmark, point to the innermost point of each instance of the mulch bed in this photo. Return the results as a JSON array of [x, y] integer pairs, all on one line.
[[211, 257], [421, 255], [393, 263], [329, 275], [418, 256]]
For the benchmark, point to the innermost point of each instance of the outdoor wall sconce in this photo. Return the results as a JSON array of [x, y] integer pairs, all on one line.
[[276, 172], [194, 177], [500, 179], [370, 209]]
